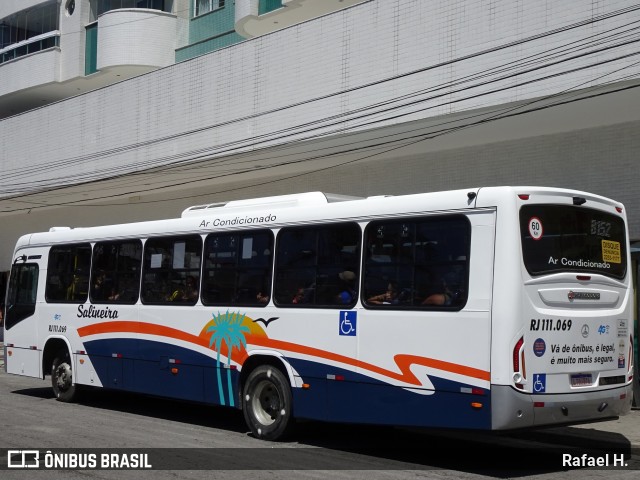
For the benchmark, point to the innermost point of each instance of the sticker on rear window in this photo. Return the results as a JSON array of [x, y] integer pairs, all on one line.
[[535, 228], [610, 251]]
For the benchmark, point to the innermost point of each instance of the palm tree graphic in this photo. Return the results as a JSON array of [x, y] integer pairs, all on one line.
[[227, 329]]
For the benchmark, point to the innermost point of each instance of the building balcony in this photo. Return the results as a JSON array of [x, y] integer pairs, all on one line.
[[22, 70], [30, 46], [78, 57], [135, 38], [258, 17]]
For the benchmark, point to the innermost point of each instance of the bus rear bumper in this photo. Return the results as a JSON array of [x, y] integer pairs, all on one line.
[[511, 409]]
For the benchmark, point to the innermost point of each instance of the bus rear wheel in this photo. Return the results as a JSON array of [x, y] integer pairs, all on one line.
[[62, 377], [267, 403]]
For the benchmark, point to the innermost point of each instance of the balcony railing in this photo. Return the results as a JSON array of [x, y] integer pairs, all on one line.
[[32, 45]]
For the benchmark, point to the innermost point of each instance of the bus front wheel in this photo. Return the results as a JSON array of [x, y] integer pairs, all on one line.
[[267, 403], [62, 377]]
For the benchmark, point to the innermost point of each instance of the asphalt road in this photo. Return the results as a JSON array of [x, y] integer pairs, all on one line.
[[195, 442]]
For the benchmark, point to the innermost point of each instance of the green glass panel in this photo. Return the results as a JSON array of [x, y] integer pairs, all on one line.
[[207, 46], [266, 6], [91, 50]]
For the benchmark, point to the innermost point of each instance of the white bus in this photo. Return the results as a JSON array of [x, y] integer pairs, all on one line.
[[488, 308]]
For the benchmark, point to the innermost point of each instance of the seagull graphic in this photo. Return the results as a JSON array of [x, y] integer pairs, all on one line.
[[266, 322]]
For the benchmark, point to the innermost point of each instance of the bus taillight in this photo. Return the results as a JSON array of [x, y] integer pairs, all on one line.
[[516, 355], [519, 371]]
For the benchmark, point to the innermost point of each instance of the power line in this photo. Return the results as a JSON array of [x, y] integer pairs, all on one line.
[[342, 152], [311, 127], [498, 114], [218, 151], [61, 164]]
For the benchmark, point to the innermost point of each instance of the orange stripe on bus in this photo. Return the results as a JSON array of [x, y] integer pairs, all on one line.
[[141, 327], [403, 361]]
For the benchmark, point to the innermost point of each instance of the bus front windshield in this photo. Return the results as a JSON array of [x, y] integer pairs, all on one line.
[[565, 238]]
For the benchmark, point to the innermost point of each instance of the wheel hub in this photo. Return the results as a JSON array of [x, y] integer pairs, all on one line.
[[63, 376], [267, 402]]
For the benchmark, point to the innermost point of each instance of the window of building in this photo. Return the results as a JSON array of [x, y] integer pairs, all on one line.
[[417, 263], [172, 270], [68, 274], [115, 272], [70, 7], [237, 268], [206, 6], [29, 23], [98, 7], [318, 266]]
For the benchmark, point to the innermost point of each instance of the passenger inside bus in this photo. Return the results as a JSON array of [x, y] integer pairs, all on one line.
[[191, 290], [348, 292], [443, 298], [448, 293], [98, 290], [299, 296], [114, 294], [303, 295], [390, 297], [189, 293]]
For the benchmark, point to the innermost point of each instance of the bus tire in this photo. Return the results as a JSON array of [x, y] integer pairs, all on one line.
[[62, 377], [267, 403]]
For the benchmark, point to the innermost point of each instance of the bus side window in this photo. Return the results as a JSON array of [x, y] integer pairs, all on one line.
[[389, 263], [423, 265], [68, 274], [169, 263], [318, 265], [115, 276], [237, 268], [443, 266]]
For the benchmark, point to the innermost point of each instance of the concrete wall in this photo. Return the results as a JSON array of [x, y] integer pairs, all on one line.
[[409, 48], [73, 40]]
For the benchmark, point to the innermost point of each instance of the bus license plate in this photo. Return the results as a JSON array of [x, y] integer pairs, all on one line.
[[581, 380]]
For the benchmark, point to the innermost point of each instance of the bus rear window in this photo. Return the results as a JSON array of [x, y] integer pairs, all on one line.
[[563, 238]]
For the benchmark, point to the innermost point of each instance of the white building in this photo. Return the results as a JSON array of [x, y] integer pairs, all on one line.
[[123, 110], [55, 49]]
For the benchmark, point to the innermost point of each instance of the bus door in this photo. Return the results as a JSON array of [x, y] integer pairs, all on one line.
[[22, 352], [577, 304]]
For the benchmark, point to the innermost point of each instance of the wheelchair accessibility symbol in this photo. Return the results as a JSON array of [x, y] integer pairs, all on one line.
[[539, 382], [348, 323]]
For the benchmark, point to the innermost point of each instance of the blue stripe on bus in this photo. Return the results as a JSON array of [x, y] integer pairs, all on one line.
[[151, 373], [356, 399], [361, 399]]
